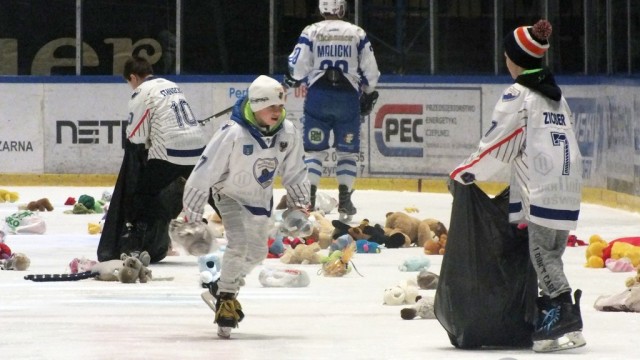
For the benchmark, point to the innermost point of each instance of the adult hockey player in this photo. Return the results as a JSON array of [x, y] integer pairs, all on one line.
[[239, 165], [164, 142], [336, 60], [532, 131]]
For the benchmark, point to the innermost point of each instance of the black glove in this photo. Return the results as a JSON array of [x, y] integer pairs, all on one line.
[[367, 101], [290, 82]]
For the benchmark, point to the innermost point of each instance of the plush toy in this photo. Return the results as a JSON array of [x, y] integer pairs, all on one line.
[[70, 201], [404, 223], [623, 249], [403, 293], [5, 250], [634, 280], [17, 261], [94, 228], [619, 265], [209, 266], [423, 308], [276, 277], [39, 205], [375, 233], [322, 229], [340, 243], [337, 263], [276, 247], [8, 196], [417, 263], [594, 252], [78, 265], [367, 247], [196, 238], [435, 242], [427, 280], [132, 270], [302, 254]]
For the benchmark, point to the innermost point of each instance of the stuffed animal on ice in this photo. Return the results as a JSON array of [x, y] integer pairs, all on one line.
[[417, 263], [367, 247], [340, 243], [210, 266], [8, 196], [405, 292], [418, 231], [627, 300], [438, 242], [598, 251], [423, 308], [427, 280], [40, 205], [322, 229], [336, 264], [302, 254], [375, 233], [325, 204], [17, 261], [127, 270]]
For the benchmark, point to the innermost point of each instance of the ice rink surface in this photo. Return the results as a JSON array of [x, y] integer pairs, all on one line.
[[332, 318]]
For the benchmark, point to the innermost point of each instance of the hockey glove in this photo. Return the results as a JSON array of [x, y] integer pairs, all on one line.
[[367, 102], [290, 82]]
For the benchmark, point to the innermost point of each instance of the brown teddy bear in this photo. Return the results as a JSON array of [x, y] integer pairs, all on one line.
[[40, 205], [302, 254], [419, 231], [322, 230], [438, 241]]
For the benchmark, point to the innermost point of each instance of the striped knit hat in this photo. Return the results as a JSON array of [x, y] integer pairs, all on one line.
[[526, 45]]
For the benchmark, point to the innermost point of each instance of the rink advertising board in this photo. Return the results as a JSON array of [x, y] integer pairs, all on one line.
[[423, 131]]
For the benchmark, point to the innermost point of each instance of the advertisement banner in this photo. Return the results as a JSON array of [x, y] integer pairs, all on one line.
[[423, 131], [21, 140]]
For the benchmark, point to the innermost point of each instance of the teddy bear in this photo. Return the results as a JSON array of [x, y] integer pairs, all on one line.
[[196, 238], [423, 308], [417, 263], [427, 280], [302, 254], [322, 230], [132, 270], [405, 292], [8, 196], [436, 243], [17, 261], [40, 205], [594, 252], [418, 231]]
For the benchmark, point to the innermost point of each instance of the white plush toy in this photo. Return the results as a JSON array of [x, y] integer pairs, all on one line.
[[403, 293], [423, 308]]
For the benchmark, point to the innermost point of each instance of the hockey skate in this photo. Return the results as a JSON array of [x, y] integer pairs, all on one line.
[[346, 210], [560, 326], [228, 314]]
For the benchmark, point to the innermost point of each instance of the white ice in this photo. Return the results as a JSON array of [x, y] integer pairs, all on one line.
[[333, 318]]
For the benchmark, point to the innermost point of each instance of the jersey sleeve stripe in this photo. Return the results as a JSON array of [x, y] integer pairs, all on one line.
[[140, 122]]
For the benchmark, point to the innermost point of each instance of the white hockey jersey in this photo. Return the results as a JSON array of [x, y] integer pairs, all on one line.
[[335, 43], [242, 163], [533, 134], [161, 118]]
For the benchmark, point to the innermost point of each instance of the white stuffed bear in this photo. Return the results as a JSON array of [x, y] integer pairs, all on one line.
[[403, 293]]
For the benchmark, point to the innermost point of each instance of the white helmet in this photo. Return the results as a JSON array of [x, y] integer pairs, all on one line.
[[333, 7]]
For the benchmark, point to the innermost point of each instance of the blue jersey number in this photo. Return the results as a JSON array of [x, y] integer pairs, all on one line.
[[343, 65], [183, 113]]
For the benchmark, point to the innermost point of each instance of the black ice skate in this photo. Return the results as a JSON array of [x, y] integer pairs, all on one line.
[[346, 210], [560, 325]]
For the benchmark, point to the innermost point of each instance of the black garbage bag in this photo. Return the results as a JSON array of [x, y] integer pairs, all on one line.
[[487, 288], [156, 240]]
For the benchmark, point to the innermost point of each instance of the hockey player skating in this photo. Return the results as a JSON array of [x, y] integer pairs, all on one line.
[[239, 165], [336, 60], [532, 131], [165, 138]]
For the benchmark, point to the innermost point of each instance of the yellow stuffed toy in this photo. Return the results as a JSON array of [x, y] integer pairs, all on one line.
[[8, 196], [594, 252]]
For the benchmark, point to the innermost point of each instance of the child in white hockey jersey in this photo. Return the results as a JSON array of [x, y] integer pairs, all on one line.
[[532, 130], [239, 165]]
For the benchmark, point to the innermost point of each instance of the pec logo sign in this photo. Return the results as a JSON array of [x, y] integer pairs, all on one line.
[[396, 132]]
